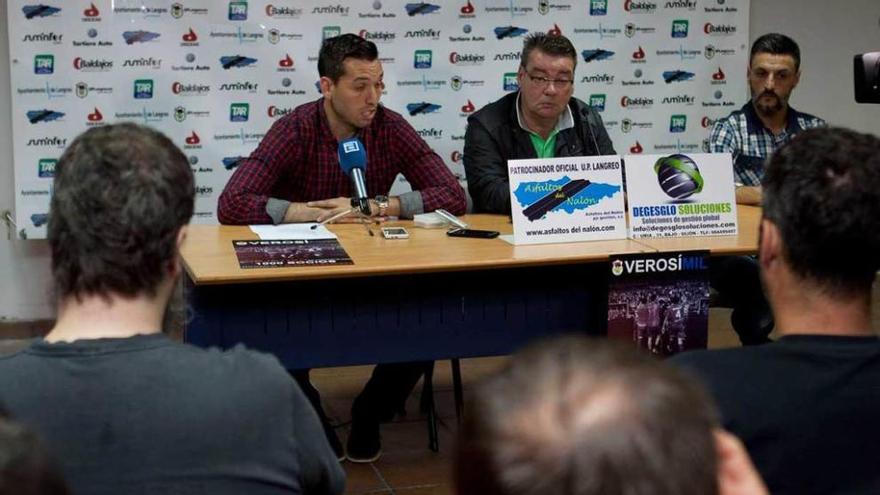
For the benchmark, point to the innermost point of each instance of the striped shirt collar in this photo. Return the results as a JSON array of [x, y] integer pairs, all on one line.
[[792, 126]]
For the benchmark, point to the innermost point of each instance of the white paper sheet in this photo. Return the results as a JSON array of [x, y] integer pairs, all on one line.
[[299, 231]]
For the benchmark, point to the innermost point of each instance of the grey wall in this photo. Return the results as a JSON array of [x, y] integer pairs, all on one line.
[[829, 35]]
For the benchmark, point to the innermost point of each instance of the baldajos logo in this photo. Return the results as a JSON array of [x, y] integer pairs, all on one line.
[[276, 112], [466, 58], [719, 29], [92, 65], [639, 7], [181, 89], [637, 102], [289, 12], [378, 36]]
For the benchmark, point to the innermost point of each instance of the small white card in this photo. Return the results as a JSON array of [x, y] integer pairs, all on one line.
[[567, 199], [292, 231], [680, 195]]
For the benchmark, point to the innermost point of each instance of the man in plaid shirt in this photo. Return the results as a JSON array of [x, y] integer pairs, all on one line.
[[766, 122], [294, 175], [751, 135]]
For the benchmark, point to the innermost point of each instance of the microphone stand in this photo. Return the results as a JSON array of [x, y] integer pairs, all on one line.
[[357, 207]]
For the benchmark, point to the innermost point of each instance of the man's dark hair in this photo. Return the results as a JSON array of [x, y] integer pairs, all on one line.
[[776, 44], [25, 466], [822, 191], [576, 416], [551, 44], [335, 50], [121, 194]]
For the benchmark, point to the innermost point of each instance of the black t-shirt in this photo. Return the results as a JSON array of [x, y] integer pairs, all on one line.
[[148, 415], [807, 408]]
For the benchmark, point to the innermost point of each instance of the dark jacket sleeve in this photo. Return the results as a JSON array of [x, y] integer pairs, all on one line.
[[485, 169]]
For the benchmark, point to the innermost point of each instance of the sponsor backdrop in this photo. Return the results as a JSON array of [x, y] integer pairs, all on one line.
[[214, 75]]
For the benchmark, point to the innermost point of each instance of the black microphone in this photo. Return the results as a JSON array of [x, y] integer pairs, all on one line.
[[353, 160]]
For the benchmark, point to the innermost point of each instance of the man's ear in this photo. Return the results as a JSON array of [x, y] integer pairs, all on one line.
[[520, 74], [769, 244], [326, 85], [175, 267]]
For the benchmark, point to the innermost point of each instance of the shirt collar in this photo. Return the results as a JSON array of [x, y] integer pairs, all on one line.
[[755, 125], [565, 121]]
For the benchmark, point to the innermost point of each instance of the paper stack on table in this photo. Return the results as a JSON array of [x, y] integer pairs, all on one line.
[[299, 231]]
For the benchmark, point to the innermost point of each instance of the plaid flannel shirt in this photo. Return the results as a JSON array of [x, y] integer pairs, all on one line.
[[743, 135], [297, 161]]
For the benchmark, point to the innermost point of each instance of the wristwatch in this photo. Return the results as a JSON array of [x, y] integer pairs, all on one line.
[[382, 203]]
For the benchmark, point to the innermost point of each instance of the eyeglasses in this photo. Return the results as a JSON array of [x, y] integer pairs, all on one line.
[[543, 82]]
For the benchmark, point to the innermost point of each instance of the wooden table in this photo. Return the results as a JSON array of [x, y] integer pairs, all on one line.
[[426, 297]]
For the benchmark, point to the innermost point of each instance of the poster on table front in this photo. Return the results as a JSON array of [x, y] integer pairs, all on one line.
[[567, 199], [680, 194], [660, 301]]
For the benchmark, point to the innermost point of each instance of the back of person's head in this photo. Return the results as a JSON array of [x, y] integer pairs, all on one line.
[[777, 44], [25, 467], [556, 45], [822, 192], [575, 416], [335, 50], [121, 195]]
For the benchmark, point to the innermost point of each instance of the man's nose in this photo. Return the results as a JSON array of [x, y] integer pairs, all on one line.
[[373, 95]]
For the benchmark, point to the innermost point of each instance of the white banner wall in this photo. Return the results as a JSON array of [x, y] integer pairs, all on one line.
[[215, 75]]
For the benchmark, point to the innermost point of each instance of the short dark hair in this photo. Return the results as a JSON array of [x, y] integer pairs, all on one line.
[[822, 191], [25, 465], [776, 44], [121, 194], [335, 50], [551, 44], [587, 416]]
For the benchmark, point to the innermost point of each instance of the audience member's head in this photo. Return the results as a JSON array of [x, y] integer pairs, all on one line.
[[575, 416], [25, 467], [122, 195], [822, 214]]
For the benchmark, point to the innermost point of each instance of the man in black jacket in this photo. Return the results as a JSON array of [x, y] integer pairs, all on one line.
[[541, 120]]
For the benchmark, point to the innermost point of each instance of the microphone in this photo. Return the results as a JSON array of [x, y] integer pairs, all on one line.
[[353, 160]]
